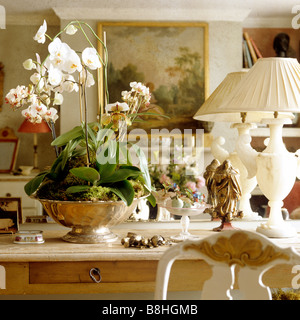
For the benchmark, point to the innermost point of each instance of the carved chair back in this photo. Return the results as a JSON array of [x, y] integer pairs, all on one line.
[[253, 253]]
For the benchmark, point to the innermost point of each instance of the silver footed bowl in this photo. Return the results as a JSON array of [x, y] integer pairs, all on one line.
[[90, 221]]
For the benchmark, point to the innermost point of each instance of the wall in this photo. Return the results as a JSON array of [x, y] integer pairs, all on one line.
[[17, 45]]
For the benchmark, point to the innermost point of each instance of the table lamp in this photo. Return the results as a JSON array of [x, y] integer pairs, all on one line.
[[210, 111], [35, 128], [272, 85]]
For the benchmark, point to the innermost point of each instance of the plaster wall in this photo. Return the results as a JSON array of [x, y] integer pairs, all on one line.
[[17, 45]]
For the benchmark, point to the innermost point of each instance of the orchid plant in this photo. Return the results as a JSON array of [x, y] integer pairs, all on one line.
[[88, 163]]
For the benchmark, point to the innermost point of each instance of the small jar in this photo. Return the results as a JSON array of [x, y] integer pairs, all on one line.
[[29, 237]]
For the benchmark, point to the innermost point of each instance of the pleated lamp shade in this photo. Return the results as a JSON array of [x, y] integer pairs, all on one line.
[[271, 85], [230, 99], [209, 110]]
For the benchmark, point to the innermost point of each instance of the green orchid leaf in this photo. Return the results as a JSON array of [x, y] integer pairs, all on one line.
[[34, 183], [66, 137], [151, 200], [75, 189], [107, 159], [120, 175], [143, 165], [124, 190], [86, 173]]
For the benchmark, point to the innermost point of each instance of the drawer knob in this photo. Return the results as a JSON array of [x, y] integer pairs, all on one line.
[[95, 272]]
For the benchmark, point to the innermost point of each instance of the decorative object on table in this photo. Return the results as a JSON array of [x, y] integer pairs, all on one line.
[[168, 180], [25, 170], [37, 219], [92, 184], [142, 211], [35, 128], [138, 241], [185, 204], [9, 146], [271, 85], [209, 178], [212, 110], [10, 214], [226, 190], [29, 237]]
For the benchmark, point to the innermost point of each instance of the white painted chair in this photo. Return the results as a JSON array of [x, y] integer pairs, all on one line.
[[252, 252]]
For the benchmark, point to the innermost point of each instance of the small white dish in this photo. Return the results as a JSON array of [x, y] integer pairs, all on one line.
[[26, 170], [29, 237]]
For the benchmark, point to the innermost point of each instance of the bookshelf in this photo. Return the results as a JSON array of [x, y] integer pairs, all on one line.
[[261, 41], [258, 42]]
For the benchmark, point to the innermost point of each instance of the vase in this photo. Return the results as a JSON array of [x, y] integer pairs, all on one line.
[[90, 221]]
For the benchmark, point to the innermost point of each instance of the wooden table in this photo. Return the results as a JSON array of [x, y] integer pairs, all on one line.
[[60, 267]]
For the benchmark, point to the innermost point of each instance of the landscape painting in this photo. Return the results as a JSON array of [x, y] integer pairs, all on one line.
[[170, 58]]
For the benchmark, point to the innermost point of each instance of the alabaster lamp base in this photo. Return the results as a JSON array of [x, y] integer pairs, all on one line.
[[282, 231], [276, 227]]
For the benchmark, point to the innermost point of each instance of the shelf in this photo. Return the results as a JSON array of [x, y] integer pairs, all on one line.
[[265, 132]]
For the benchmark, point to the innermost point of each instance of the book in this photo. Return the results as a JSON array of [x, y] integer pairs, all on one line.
[[245, 60], [251, 50], [250, 64], [258, 53]]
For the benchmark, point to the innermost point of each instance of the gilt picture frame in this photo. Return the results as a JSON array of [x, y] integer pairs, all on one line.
[[11, 215], [171, 58], [9, 146]]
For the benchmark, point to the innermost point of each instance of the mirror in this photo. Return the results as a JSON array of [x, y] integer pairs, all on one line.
[[9, 144]]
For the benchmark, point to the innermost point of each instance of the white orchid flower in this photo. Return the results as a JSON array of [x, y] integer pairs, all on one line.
[[35, 78], [69, 84], [90, 81], [54, 76], [90, 58], [40, 35], [71, 29], [32, 115], [117, 106], [72, 62], [139, 87], [40, 108], [17, 97], [58, 99], [59, 52], [29, 64], [51, 115]]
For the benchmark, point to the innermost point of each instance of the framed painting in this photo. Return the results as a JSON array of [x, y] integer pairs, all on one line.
[[171, 59], [10, 214]]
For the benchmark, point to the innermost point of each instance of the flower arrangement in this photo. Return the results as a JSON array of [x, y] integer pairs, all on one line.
[[172, 182], [92, 161]]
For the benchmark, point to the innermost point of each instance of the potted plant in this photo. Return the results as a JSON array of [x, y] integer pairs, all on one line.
[[93, 183]]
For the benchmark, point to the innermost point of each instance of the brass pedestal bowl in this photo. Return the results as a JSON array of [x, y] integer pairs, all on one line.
[[90, 221]]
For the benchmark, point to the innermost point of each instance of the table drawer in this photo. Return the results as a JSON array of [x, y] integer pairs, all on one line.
[[79, 272]]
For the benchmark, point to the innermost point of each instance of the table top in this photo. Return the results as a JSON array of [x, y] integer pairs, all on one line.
[[55, 249]]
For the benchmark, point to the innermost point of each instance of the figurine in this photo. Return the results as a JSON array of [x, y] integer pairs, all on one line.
[[227, 192], [281, 44], [208, 176]]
